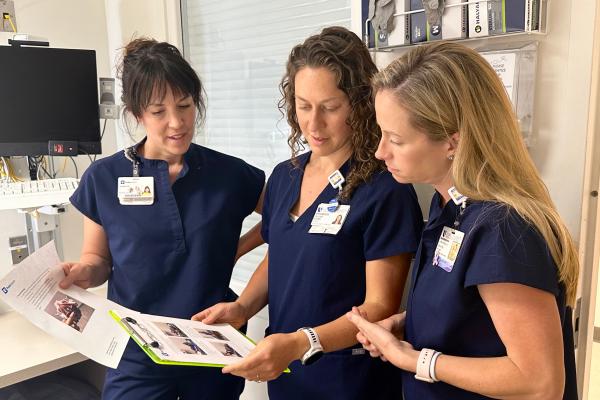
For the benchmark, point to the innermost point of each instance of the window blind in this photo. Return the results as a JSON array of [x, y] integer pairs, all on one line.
[[239, 48]]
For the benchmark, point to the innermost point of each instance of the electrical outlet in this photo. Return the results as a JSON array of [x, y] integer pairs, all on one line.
[[7, 7], [109, 111], [18, 248]]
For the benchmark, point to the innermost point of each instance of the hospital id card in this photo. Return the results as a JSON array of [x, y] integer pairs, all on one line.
[[447, 248], [328, 219], [136, 191]]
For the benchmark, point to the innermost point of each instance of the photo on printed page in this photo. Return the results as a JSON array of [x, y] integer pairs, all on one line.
[[169, 329], [69, 311], [187, 346], [211, 334], [226, 349]]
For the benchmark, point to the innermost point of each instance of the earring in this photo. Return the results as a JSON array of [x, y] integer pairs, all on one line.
[[451, 157]]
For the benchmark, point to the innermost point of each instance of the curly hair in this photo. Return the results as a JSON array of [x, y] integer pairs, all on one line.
[[344, 54]]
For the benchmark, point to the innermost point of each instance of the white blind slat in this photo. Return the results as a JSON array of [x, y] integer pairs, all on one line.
[[239, 48]]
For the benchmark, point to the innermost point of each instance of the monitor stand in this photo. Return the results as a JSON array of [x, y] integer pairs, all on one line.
[[42, 227]]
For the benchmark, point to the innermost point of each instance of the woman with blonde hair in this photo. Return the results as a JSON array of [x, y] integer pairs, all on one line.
[[495, 276]]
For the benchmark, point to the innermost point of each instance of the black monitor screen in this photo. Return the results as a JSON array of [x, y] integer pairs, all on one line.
[[47, 94]]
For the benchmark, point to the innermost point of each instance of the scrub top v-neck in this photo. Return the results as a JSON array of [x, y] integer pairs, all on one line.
[[174, 257], [316, 278], [445, 311]]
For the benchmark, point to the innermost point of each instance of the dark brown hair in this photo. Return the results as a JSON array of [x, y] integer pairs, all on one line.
[[344, 54], [148, 65]]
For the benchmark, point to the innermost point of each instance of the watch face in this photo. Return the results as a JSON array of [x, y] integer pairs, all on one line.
[[313, 357]]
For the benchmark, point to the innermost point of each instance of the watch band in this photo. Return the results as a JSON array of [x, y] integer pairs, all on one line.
[[315, 351], [423, 365], [312, 336], [432, 366]]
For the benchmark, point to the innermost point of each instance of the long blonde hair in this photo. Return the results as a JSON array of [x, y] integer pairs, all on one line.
[[448, 88]]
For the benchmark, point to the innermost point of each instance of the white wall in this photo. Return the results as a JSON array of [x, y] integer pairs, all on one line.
[[562, 104], [68, 24]]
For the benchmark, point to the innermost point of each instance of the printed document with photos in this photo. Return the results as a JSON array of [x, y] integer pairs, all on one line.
[[74, 316], [177, 341]]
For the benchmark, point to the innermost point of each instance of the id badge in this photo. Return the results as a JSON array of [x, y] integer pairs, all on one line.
[[447, 248], [329, 221], [136, 191]]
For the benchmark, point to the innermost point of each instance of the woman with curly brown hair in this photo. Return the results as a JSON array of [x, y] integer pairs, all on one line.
[[316, 269]]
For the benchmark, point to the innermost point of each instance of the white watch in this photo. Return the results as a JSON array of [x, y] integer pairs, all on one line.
[[315, 351], [424, 364]]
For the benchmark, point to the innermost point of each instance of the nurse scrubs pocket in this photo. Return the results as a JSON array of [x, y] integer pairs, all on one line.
[[447, 248], [136, 191]]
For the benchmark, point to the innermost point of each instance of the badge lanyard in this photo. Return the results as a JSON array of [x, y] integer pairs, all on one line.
[[451, 239], [135, 190], [336, 180], [330, 216], [131, 155]]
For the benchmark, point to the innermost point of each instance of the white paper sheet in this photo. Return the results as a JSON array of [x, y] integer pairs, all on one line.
[[181, 340], [74, 316]]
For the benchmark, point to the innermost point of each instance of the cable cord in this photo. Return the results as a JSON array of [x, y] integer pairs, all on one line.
[[101, 136], [75, 165]]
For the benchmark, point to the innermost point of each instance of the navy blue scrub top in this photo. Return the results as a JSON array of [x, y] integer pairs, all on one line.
[[174, 257], [316, 278], [445, 311]]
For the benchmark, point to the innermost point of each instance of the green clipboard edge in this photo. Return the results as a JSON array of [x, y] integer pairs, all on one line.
[[158, 360]]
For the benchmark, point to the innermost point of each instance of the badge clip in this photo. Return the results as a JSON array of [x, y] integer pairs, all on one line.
[[456, 196], [336, 179]]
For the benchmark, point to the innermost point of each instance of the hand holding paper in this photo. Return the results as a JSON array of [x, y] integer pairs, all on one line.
[[75, 316]]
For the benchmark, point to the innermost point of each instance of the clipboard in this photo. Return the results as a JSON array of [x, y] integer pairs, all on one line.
[[175, 341]]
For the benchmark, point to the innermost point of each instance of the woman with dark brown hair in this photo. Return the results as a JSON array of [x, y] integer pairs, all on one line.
[[315, 270], [161, 251]]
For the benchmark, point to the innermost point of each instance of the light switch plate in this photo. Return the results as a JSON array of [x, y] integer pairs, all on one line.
[[18, 248], [7, 6]]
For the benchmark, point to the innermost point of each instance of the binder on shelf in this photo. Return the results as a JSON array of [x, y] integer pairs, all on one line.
[[419, 28], [398, 36], [497, 17], [455, 20], [478, 19]]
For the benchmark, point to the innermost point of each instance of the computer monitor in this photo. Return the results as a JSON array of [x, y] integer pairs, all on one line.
[[47, 94]]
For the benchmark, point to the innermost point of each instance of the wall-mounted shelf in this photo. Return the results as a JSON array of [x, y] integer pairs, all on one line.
[[509, 45], [461, 20]]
